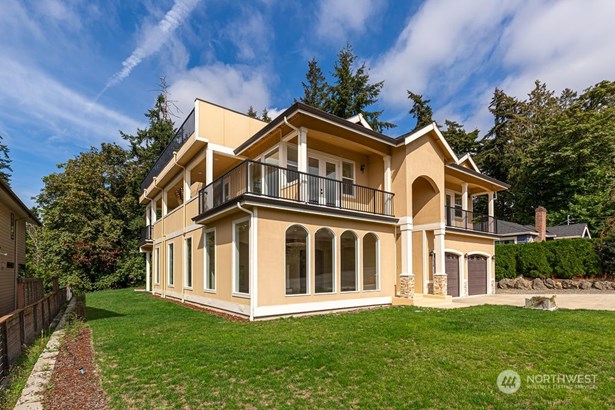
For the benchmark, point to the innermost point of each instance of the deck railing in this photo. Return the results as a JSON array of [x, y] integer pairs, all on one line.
[[473, 221], [271, 181], [146, 234], [181, 136]]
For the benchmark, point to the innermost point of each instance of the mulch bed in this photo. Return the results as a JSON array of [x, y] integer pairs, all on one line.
[[75, 383], [227, 316]]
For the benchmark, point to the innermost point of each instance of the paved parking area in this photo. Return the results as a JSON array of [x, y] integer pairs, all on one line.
[[594, 301]]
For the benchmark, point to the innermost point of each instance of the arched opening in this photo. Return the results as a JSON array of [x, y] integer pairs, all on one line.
[[425, 201], [324, 261], [296, 260], [348, 261], [371, 274]]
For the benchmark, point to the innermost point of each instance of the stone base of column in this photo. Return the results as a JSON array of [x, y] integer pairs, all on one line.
[[440, 286], [406, 286]]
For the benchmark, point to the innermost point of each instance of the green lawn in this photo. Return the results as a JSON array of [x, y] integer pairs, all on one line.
[[155, 354]]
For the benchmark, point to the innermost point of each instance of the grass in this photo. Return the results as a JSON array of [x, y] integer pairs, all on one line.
[[20, 373], [155, 354]]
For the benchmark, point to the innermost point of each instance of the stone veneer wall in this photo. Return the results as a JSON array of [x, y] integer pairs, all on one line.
[[406, 286], [440, 285]]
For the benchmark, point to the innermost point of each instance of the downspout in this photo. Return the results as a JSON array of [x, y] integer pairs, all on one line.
[[183, 223], [292, 127], [151, 253], [253, 259]]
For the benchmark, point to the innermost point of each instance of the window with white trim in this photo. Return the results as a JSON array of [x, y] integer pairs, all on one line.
[[348, 178], [241, 249], [292, 163], [210, 260], [348, 261], [370, 262], [188, 262], [157, 265], [296, 260], [170, 265], [324, 261]]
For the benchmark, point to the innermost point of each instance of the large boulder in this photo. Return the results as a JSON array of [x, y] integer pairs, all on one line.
[[600, 285], [506, 283], [522, 283], [568, 284], [550, 283], [585, 284], [558, 284], [538, 284]]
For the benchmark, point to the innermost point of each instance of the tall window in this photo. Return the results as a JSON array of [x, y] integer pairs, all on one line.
[[157, 265], [242, 257], [370, 262], [170, 267], [348, 255], [292, 163], [188, 262], [324, 261], [296, 260], [210, 260], [348, 178]]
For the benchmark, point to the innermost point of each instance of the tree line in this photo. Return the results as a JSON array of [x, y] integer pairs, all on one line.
[[555, 151]]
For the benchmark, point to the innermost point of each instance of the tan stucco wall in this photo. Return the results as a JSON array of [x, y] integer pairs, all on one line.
[[225, 127], [469, 243], [272, 228]]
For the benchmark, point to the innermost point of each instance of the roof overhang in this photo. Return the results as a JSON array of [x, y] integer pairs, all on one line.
[[492, 183], [439, 137]]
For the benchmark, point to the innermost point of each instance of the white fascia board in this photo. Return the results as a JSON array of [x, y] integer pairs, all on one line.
[[468, 157], [426, 129]]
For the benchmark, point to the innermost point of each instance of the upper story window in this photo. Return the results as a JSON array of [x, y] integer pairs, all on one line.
[[292, 162], [348, 178], [175, 195]]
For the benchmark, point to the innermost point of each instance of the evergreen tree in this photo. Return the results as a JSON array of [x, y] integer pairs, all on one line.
[[420, 110], [461, 141], [5, 163], [252, 113], [352, 93], [315, 90], [265, 116]]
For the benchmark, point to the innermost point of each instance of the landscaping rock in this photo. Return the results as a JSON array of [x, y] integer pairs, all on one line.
[[521, 283], [558, 284], [538, 284], [599, 285], [610, 285], [585, 284], [506, 283], [550, 283]]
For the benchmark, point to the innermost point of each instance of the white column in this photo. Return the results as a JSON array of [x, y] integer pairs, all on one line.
[[302, 150], [148, 271], [406, 248], [187, 182], [439, 249], [209, 165], [387, 183], [491, 204], [148, 214], [153, 208], [464, 204]]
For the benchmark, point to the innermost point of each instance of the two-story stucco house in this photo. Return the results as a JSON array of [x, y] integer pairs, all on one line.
[[13, 217], [312, 212]]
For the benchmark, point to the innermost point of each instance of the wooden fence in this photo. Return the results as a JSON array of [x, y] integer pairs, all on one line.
[[20, 328]]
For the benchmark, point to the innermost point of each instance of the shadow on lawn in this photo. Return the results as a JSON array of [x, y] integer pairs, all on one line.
[[92, 313]]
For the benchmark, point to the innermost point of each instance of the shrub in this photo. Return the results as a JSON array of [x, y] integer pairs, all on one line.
[[606, 249], [506, 261], [532, 260]]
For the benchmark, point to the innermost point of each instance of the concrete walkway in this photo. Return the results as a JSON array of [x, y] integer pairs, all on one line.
[[32, 394], [595, 301]]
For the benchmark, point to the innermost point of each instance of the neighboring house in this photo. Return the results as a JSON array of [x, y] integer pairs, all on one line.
[[511, 232], [312, 212], [13, 217]]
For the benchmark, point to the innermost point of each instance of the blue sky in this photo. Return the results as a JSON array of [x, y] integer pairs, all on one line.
[[75, 72]]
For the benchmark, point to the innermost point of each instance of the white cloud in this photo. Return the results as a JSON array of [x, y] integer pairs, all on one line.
[[153, 39], [232, 86], [32, 93], [336, 20], [251, 34]]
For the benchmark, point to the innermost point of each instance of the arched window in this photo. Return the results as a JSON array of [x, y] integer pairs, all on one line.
[[296, 260], [348, 259], [324, 266], [371, 274]]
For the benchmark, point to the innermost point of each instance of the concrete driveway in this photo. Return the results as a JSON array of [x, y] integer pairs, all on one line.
[[595, 301]]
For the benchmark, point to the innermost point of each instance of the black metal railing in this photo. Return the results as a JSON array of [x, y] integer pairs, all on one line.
[[146, 234], [473, 221], [257, 178], [181, 136]]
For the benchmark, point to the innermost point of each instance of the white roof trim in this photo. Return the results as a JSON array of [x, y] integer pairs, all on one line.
[[468, 157], [586, 230], [360, 119], [426, 129]]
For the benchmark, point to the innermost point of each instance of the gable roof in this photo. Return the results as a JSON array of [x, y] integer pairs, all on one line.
[[508, 228], [413, 136], [578, 230], [16, 203], [468, 158], [360, 119]]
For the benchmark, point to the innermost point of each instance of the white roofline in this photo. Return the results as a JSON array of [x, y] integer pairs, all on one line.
[[426, 129], [360, 119], [468, 157]]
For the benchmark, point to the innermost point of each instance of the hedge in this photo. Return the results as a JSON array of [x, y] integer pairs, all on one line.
[[564, 259]]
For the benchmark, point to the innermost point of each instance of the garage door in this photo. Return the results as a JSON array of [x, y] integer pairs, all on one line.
[[477, 275], [452, 272]]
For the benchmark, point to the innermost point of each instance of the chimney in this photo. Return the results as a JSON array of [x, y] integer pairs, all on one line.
[[541, 223]]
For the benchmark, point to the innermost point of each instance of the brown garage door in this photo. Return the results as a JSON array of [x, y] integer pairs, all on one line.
[[477, 275], [452, 272]]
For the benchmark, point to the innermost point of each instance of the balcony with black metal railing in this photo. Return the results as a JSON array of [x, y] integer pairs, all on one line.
[[470, 221], [146, 235], [260, 180], [182, 134]]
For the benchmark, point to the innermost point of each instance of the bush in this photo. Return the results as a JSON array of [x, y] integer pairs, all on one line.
[[606, 250], [506, 261], [564, 259]]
